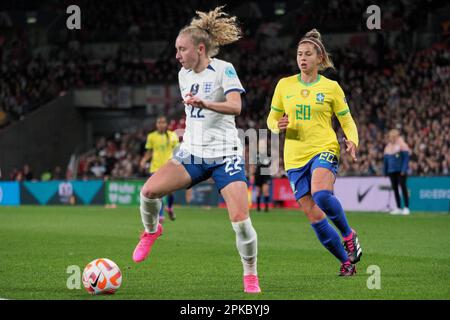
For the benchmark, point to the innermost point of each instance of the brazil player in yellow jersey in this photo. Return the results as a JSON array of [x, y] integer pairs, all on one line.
[[160, 145], [303, 106]]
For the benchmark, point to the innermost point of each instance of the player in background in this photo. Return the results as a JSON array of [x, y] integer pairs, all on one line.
[[160, 146], [262, 182], [396, 160], [303, 105], [211, 90]]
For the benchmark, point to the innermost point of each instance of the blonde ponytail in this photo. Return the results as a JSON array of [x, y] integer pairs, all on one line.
[[214, 28]]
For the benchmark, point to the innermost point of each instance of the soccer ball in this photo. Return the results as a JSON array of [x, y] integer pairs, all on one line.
[[102, 276]]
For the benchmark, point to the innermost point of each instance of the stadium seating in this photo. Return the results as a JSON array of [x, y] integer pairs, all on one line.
[[385, 87]]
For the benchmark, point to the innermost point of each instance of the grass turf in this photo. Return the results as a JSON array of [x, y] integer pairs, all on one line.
[[196, 258]]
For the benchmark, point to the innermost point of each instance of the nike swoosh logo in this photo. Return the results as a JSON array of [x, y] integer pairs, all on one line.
[[233, 173], [95, 283], [288, 97], [361, 196]]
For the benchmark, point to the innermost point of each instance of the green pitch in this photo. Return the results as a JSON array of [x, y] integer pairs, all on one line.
[[196, 258]]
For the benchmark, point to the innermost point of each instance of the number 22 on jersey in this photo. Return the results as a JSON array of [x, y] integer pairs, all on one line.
[[196, 112]]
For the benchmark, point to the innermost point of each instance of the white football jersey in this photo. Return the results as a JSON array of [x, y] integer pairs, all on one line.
[[210, 134]]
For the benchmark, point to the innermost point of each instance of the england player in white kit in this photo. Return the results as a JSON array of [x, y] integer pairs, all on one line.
[[210, 134], [211, 91]]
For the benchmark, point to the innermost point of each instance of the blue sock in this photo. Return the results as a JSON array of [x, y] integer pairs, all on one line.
[[333, 209], [161, 211], [330, 239], [170, 200]]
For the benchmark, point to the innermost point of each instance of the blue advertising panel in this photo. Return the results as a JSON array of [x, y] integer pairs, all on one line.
[[429, 193], [9, 193], [63, 192]]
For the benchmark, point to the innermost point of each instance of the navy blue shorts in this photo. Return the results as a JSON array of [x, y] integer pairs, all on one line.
[[300, 178], [222, 170]]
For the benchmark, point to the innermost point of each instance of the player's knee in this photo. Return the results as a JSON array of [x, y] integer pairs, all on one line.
[[150, 192], [311, 210], [307, 205]]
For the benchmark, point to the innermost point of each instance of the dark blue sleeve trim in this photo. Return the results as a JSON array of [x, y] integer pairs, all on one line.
[[234, 89]]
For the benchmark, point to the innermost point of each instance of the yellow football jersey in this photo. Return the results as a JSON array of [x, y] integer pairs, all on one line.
[[310, 108], [162, 145]]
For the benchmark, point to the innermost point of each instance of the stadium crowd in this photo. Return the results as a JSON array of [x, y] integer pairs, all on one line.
[[407, 92], [386, 87]]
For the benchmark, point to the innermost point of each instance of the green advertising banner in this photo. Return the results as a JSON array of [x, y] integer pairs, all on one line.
[[123, 192]]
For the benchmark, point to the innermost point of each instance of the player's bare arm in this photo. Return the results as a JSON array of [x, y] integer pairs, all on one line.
[[232, 105], [147, 156]]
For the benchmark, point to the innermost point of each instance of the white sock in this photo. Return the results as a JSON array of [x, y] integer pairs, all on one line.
[[246, 243], [249, 266], [150, 213]]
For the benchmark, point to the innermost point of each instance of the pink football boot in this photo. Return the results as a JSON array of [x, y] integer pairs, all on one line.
[[145, 244], [251, 284]]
